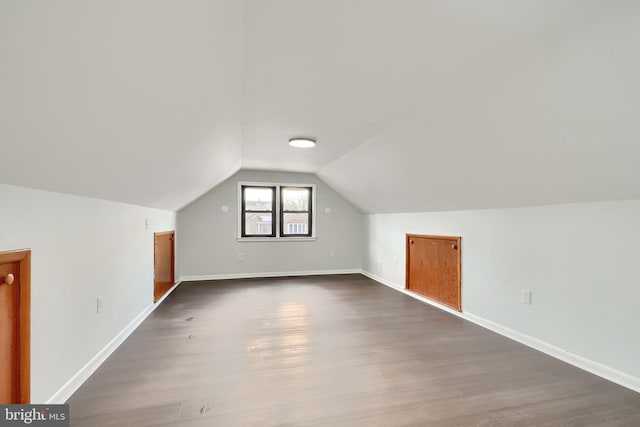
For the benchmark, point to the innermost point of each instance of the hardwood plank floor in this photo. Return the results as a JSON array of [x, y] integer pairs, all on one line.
[[332, 351]]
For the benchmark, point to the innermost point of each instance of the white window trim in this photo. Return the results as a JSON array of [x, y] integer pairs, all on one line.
[[278, 185]]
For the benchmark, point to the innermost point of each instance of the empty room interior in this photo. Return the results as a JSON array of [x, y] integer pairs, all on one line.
[[321, 212]]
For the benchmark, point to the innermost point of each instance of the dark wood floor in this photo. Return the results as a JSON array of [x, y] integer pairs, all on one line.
[[332, 351]]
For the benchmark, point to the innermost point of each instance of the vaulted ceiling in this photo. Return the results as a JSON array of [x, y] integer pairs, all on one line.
[[417, 105]]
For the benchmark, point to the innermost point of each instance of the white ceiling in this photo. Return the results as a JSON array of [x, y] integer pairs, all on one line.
[[417, 105]]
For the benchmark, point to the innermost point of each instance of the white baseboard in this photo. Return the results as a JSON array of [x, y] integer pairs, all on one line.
[[67, 390], [266, 275], [411, 294], [588, 365], [583, 363]]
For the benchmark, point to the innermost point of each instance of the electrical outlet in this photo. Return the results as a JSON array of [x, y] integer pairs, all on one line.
[[525, 296], [240, 256], [146, 223], [99, 305]]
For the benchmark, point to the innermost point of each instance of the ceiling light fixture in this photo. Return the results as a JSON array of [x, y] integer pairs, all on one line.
[[302, 142]]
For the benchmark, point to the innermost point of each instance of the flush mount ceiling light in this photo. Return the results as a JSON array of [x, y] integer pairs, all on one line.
[[302, 142]]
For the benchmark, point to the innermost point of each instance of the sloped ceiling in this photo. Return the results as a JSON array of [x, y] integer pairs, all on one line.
[[133, 101], [417, 105]]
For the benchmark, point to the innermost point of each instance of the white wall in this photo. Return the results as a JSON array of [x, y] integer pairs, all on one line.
[[81, 248], [207, 244], [580, 260]]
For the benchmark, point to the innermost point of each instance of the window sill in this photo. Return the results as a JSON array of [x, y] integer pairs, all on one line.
[[275, 239]]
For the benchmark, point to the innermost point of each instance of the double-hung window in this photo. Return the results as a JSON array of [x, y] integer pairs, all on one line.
[[258, 211], [295, 211], [277, 211]]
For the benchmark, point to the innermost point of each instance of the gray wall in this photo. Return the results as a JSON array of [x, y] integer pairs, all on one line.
[[208, 245]]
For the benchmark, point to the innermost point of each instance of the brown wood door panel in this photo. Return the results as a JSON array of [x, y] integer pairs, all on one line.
[[433, 268], [15, 302], [9, 333], [164, 255], [416, 265]]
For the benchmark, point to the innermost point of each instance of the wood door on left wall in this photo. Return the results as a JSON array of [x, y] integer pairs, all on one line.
[[164, 256], [15, 317]]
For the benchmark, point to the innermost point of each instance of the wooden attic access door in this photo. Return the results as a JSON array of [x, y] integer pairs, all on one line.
[[433, 268], [163, 260], [15, 319]]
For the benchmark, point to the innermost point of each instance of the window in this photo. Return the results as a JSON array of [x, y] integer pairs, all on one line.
[[295, 210], [276, 210], [258, 211]]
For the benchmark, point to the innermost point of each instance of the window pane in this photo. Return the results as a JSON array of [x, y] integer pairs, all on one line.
[[295, 199], [296, 223], [258, 199], [257, 224]]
